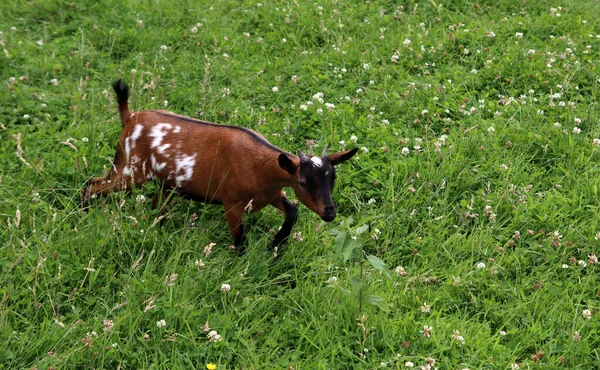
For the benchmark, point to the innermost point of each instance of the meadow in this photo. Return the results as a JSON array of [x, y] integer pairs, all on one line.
[[468, 228]]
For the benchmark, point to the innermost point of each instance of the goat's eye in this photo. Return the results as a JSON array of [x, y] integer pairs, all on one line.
[[302, 184]]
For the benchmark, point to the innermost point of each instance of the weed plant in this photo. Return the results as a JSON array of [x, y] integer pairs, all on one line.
[[467, 233]]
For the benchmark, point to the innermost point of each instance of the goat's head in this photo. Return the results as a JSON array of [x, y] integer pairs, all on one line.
[[314, 179]]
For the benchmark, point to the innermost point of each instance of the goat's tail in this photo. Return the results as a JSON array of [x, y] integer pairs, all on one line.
[[122, 91]]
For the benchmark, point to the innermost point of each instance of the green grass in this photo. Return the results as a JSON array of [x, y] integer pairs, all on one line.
[[491, 93]]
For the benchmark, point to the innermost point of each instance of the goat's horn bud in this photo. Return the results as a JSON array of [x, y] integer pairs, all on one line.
[[301, 155], [325, 151]]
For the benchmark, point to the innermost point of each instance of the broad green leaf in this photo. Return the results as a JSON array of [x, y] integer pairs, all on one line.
[[357, 284], [378, 264], [376, 300], [351, 248]]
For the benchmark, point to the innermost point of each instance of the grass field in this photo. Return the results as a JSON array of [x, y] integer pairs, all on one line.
[[468, 228]]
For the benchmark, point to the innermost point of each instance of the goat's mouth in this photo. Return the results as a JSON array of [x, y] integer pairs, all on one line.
[[328, 216]]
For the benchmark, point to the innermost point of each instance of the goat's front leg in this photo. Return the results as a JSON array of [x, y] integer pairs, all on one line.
[[233, 213], [291, 215]]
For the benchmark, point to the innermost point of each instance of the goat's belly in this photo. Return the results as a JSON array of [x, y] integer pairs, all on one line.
[[200, 198]]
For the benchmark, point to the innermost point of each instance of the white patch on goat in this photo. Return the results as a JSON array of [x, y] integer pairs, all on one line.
[[184, 168], [137, 132], [132, 115], [157, 167], [126, 171], [151, 176], [158, 133], [316, 161], [176, 129], [161, 149], [127, 148]]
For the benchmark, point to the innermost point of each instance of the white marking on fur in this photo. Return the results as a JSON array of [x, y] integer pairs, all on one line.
[[161, 149], [176, 129], [126, 171], [316, 161], [151, 176], [132, 115], [158, 133], [137, 132], [184, 168], [127, 148], [157, 167]]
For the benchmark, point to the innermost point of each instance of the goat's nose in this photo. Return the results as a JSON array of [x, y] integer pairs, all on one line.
[[330, 209]]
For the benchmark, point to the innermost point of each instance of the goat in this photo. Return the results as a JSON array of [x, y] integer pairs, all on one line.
[[214, 163]]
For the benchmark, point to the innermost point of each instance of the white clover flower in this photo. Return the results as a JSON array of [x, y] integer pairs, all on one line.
[[587, 314], [371, 201], [225, 287], [320, 111], [140, 23], [405, 151], [275, 89], [409, 364], [364, 149], [164, 47], [54, 82], [519, 35], [213, 336], [502, 333], [480, 265], [161, 323], [491, 129], [400, 271], [332, 280], [303, 107], [395, 58], [564, 266], [457, 337], [576, 130], [194, 30], [353, 138], [406, 43], [592, 259], [366, 66], [199, 264]]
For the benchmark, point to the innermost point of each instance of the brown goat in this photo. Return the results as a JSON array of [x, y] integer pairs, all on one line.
[[215, 163]]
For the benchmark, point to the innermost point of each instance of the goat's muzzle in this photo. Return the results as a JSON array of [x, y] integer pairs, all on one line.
[[329, 214]]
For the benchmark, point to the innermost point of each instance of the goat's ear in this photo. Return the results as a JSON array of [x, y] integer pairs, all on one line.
[[287, 164], [341, 157]]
